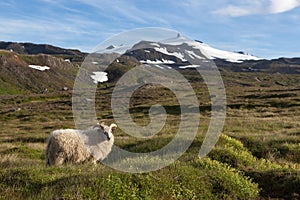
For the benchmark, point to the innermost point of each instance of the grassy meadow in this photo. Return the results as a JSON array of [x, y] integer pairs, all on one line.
[[257, 156]]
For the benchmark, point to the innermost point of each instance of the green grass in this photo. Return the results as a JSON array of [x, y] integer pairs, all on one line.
[[7, 89], [205, 179], [257, 156]]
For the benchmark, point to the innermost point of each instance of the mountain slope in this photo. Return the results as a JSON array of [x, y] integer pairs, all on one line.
[[181, 48], [33, 49], [182, 53], [34, 73], [210, 52]]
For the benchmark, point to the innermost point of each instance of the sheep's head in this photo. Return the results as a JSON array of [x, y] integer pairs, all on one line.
[[108, 130]]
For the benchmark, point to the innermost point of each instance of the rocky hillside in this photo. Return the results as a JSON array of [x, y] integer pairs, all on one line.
[[33, 49], [280, 65], [21, 73]]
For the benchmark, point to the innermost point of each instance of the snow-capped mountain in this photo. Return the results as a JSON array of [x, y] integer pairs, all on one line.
[[208, 51], [182, 53], [213, 53], [178, 51]]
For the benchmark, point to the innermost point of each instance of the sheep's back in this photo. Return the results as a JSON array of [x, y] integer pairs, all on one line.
[[70, 143]]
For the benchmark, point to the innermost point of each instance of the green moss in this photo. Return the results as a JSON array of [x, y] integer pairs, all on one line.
[[229, 182], [232, 152]]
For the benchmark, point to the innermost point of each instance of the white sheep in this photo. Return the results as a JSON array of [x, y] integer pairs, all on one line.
[[78, 146]]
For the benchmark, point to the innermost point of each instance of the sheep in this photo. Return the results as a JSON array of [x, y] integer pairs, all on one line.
[[78, 146]]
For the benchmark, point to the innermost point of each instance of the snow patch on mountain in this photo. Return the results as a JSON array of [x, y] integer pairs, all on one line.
[[208, 51], [38, 67], [99, 77], [193, 55], [176, 54], [212, 53], [188, 66], [155, 44], [157, 62]]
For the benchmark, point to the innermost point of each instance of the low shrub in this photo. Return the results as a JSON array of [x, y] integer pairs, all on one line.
[[228, 182]]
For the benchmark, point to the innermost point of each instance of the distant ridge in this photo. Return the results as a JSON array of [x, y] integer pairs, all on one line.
[[150, 52], [33, 49]]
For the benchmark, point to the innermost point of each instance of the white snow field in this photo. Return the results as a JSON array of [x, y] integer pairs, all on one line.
[[38, 67]]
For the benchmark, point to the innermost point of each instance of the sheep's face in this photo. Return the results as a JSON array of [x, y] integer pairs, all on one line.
[[108, 130]]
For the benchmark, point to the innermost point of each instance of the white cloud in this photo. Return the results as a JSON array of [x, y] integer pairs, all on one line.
[[279, 6], [125, 10], [246, 7], [258, 7], [234, 11]]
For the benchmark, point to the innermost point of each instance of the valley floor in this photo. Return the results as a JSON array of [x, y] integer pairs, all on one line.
[[257, 156]]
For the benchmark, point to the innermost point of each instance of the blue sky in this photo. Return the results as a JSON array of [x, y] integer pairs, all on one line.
[[265, 28]]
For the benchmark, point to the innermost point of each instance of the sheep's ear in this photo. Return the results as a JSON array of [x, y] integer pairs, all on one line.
[[102, 125], [112, 127]]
